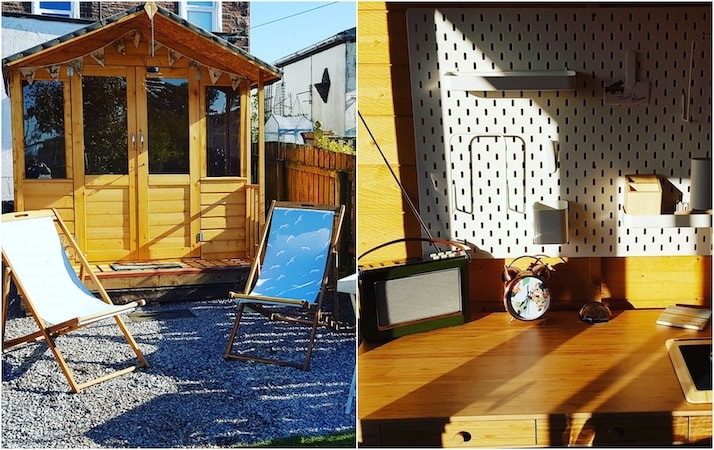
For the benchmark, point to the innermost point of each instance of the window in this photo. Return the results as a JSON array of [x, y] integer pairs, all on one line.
[[59, 9], [206, 15], [43, 117], [223, 133]]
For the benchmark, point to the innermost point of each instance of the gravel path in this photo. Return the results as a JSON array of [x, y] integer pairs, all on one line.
[[189, 397]]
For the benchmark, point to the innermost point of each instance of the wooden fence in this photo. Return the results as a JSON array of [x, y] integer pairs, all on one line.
[[302, 173]]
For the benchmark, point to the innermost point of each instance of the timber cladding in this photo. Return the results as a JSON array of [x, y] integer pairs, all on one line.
[[224, 218], [385, 103]]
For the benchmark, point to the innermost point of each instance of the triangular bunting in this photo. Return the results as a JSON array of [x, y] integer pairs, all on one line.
[[215, 74], [29, 74], [136, 38], [119, 46], [75, 66], [173, 57], [54, 71], [98, 56], [236, 80]]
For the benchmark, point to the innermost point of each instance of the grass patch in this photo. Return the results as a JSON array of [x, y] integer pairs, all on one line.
[[344, 439]]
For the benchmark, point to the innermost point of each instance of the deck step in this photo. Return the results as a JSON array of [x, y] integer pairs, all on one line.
[[180, 280]]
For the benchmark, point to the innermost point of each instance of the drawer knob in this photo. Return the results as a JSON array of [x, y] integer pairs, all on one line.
[[462, 437]]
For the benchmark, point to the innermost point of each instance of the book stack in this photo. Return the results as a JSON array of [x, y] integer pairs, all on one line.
[[685, 317]]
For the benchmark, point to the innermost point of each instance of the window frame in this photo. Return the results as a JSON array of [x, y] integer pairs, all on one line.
[[215, 9], [40, 11]]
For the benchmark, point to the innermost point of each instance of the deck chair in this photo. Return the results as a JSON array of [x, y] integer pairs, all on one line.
[[54, 295], [290, 273]]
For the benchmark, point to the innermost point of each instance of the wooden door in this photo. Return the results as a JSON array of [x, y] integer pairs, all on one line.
[[137, 192], [167, 180], [106, 173]]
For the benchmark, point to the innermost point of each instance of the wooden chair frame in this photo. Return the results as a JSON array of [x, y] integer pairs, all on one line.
[[296, 311], [47, 332]]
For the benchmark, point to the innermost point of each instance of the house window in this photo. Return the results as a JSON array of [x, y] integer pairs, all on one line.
[[223, 134], [43, 118], [206, 15], [58, 9]]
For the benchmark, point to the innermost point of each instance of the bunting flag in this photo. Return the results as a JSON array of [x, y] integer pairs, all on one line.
[[136, 38], [174, 56], [54, 71], [98, 56], [215, 74], [119, 46], [28, 74], [75, 66], [236, 80]]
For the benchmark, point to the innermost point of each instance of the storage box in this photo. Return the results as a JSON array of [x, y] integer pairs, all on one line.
[[643, 194]]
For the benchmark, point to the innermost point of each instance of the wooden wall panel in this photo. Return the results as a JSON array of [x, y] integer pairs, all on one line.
[[650, 282], [385, 105], [223, 218]]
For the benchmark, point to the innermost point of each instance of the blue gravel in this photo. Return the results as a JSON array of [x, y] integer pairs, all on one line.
[[190, 396]]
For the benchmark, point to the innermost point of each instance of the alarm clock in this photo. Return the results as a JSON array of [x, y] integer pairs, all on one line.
[[526, 295]]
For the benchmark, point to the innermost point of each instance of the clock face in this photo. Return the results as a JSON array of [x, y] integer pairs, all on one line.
[[527, 298]]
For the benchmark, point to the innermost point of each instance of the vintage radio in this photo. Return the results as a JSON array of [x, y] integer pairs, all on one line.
[[408, 298]]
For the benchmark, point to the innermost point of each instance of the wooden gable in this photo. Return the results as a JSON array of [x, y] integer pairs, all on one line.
[[138, 26]]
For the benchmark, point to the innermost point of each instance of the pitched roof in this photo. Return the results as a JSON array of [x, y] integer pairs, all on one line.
[[342, 37], [169, 29]]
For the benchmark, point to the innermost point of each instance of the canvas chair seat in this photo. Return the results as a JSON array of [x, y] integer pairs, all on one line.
[[295, 260], [54, 294]]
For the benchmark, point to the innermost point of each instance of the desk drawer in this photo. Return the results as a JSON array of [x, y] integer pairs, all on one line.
[[487, 433], [700, 428], [615, 429]]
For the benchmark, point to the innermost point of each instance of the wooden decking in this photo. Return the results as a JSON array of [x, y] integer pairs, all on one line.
[[174, 280]]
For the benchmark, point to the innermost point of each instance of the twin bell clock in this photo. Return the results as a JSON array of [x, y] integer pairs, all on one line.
[[526, 295]]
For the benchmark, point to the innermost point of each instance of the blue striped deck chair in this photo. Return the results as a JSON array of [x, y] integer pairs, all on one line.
[[289, 276], [33, 250]]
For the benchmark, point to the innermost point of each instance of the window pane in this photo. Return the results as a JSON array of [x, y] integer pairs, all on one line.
[[60, 6], [202, 4], [223, 132], [43, 116], [167, 101], [105, 125], [62, 9], [201, 19]]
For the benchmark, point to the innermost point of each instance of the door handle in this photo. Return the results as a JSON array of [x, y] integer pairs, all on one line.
[[141, 139], [133, 141]]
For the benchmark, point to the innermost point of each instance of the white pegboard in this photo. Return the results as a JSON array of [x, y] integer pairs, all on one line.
[[483, 157]]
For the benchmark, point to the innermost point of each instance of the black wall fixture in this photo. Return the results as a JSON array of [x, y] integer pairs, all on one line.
[[323, 88]]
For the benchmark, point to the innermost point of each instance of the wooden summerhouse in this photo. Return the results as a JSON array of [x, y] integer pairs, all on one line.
[[144, 123]]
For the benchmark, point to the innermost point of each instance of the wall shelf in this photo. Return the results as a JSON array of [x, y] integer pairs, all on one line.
[[529, 80], [693, 220]]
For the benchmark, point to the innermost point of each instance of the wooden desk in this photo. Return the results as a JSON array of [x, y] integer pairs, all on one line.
[[548, 383]]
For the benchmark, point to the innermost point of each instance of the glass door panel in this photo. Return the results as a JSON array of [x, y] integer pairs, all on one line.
[[105, 125], [167, 114]]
